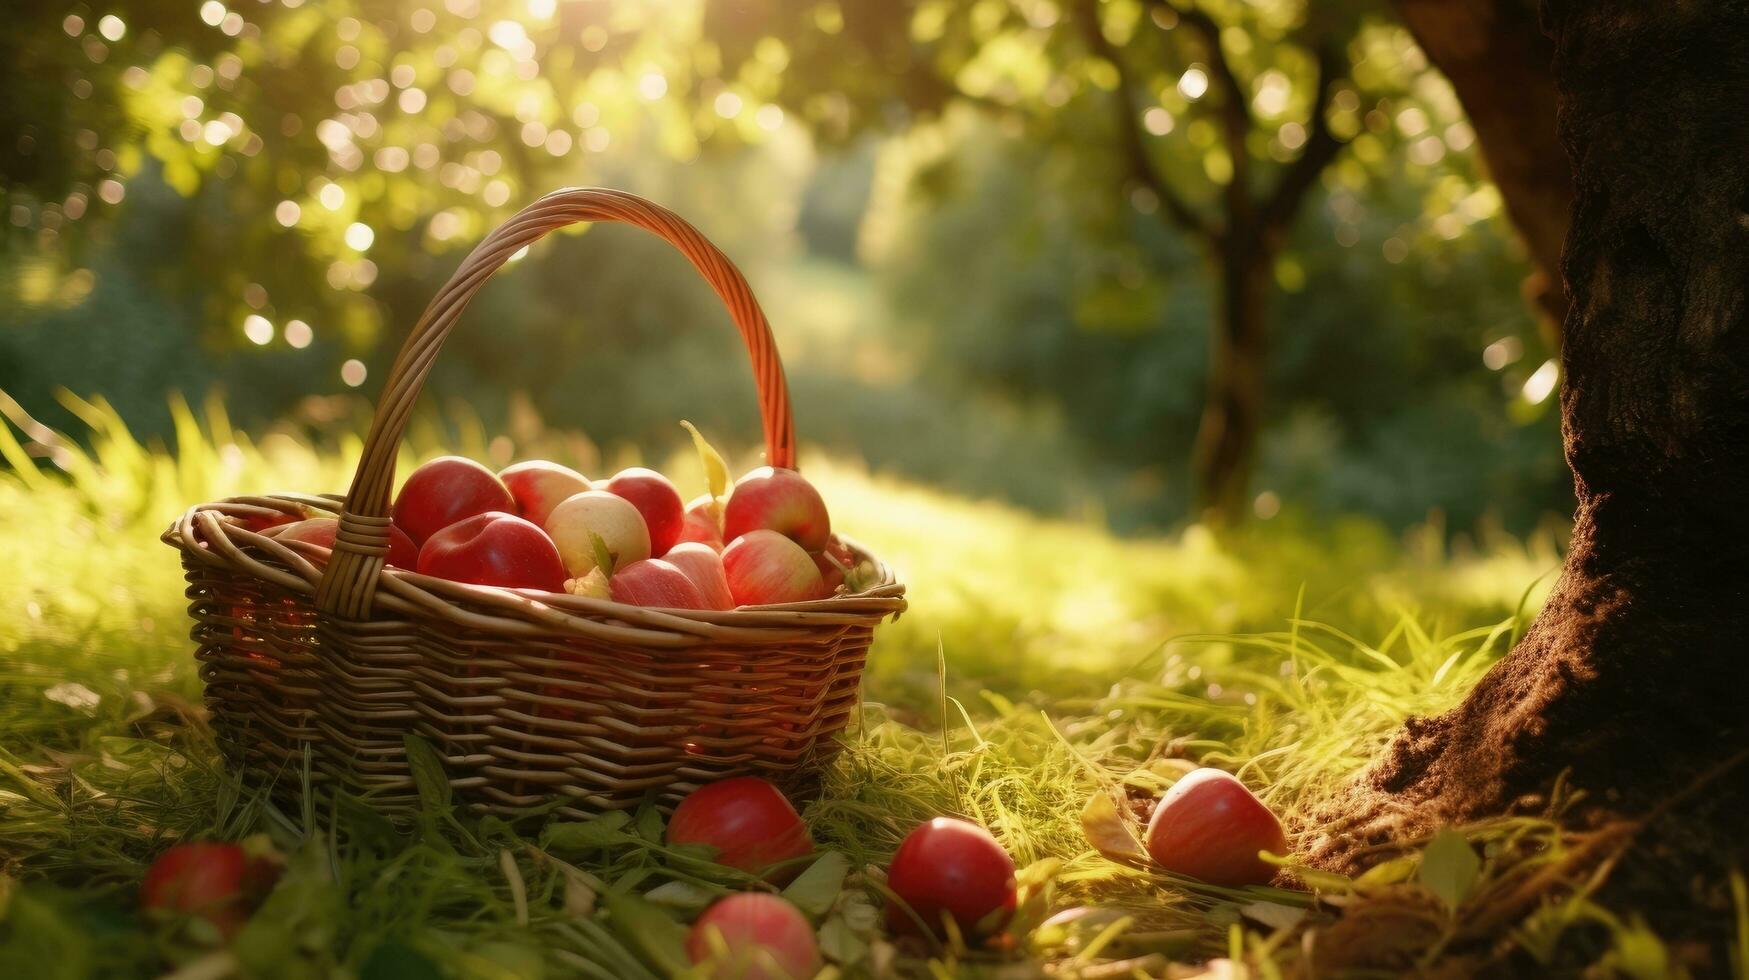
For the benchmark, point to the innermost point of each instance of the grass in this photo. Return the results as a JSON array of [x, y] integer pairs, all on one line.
[[1047, 677]]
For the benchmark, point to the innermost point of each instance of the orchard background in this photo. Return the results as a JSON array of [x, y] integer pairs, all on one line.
[[987, 236]]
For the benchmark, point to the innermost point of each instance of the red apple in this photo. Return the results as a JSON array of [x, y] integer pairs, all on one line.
[[753, 936], [764, 567], [705, 567], [1209, 826], [539, 485], [703, 522], [834, 561], [444, 491], [749, 822], [581, 518], [656, 499], [220, 883], [494, 548], [320, 531], [952, 868], [781, 501], [260, 523], [655, 582]]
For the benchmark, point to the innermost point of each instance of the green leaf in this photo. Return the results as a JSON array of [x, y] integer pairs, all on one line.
[[650, 823], [367, 829], [816, 889], [1273, 915], [394, 960], [1449, 867], [682, 895], [840, 943], [603, 557], [648, 931], [1109, 832], [428, 773], [716, 472], [587, 835]]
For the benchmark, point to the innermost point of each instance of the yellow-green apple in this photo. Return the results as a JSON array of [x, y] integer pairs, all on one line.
[[1209, 826], [777, 500], [494, 548], [703, 522], [705, 567], [656, 499], [446, 490], [581, 518], [764, 567], [654, 582], [321, 531], [539, 485]]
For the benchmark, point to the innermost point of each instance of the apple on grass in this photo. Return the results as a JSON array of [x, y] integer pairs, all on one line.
[[581, 519], [954, 869], [539, 485], [444, 491], [1209, 826], [703, 522], [753, 936], [321, 532], [747, 822], [777, 500], [494, 548], [764, 567], [654, 582], [704, 567], [656, 500]]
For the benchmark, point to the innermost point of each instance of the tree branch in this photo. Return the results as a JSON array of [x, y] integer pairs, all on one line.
[[1235, 109], [1128, 118], [1322, 146]]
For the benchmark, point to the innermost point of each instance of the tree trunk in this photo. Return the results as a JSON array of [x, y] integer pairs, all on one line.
[[1232, 415], [1633, 678], [1498, 61]]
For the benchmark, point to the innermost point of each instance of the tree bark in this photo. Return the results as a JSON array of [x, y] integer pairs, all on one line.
[[1232, 415], [1633, 678], [1498, 61]]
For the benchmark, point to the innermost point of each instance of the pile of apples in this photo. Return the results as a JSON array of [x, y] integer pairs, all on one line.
[[539, 525]]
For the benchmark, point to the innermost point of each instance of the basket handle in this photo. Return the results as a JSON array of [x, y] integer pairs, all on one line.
[[348, 583]]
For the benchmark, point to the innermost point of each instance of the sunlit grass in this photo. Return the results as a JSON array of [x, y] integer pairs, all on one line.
[[1077, 664]]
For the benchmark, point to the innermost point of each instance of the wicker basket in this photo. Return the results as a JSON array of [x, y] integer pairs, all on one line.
[[530, 697]]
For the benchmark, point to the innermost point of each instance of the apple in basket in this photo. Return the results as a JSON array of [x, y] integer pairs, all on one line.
[[656, 500], [654, 582], [444, 491], [704, 566], [539, 485], [321, 531], [835, 561], [581, 519], [765, 567], [703, 522], [494, 548], [777, 500]]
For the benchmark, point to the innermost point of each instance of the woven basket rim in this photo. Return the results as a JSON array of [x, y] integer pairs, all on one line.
[[211, 533]]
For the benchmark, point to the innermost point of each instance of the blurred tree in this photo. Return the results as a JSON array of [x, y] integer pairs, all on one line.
[[1629, 683], [1223, 117], [1499, 61]]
